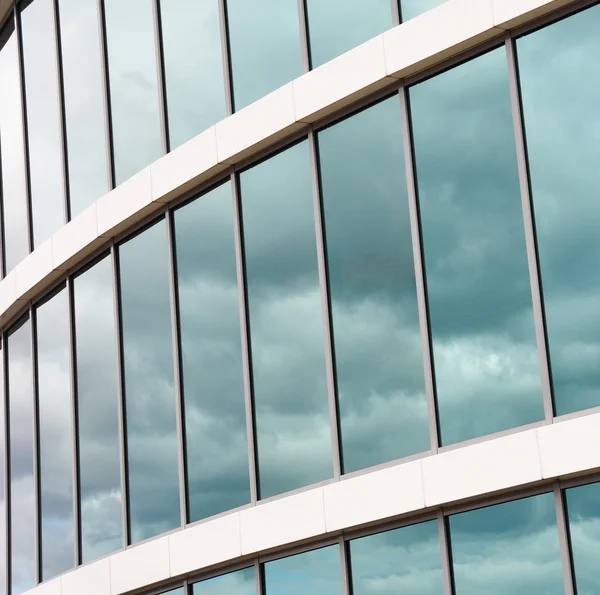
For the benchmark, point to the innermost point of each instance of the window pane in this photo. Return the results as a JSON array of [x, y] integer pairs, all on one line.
[[133, 85], [242, 582], [507, 549], [317, 571], [584, 525], [2, 475], [97, 399], [562, 123], [215, 414], [413, 8], [56, 435], [372, 283], [22, 489], [339, 25], [193, 67], [149, 385], [12, 161], [405, 560], [264, 36], [484, 344], [290, 388], [84, 106], [45, 145]]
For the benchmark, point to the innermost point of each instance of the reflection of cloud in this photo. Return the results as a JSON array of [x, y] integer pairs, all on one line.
[[241, 582]]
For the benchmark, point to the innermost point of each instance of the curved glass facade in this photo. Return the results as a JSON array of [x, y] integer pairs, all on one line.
[[407, 277]]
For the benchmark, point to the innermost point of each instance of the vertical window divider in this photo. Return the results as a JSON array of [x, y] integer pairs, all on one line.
[[446, 553], [329, 346], [304, 35], [564, 540], [75, 425], [2, 223], [160, 77], [106, 94], [396, 12], [25, 124], [259, 577], [6, 478], [61, 113], [240, 263], [530, 237], [122, 413], [420, 273], [226, 57], [36, 447], [346, 566], [178, 370]]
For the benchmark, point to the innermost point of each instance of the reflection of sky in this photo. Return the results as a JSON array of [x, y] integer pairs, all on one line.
[[316, 571], [374, 302], [486, 360], [413, 8], [510, 548], [241, 582], [560, 103], [405, 560]]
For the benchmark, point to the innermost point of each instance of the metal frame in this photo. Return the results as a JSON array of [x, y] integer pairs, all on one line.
[[7, 468], [226, 57], [160, 78], [36, 445]]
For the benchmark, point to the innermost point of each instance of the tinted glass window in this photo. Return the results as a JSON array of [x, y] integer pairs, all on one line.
[[510, 548], [339, 25], [12, 160], [97, 402], [413, 8], [562, 123], [584, 519], [45, 139], [265, 47], [290, 389], [193, 67], [2, 475], [486, 360], [372, 283], [405, 560], [149, 384], [22, 488], [241, 582], [133, 85], [317, 571], [56, 435], [215, 414], [84, 105]]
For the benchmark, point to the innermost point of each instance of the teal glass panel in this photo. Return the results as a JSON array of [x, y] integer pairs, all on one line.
[[372, 286], [97, 408], [413, 8], [316, 571], [264, 37], [561, 125], [84, 103], [405, 560], [193, 67], [336, 26], [152, 448], [240, 582], [484, 343], [508, 549], [56, 435], [290, 383], [213, 386]]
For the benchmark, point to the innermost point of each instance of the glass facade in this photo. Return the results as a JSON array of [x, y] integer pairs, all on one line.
[[362, 295]]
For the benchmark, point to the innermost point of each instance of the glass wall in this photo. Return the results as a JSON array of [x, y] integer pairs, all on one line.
[[149, 384], [338, 26], [56, 435], [21, 480], [43, 119], [192, 50], [508, 548], [372, 285], [12, 161], [264, 38], [240, 582], [288, 361], [133, 85], [84, 103], [562, 122], [215, 413], [484, 343], [97, 408], [413, 8]]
